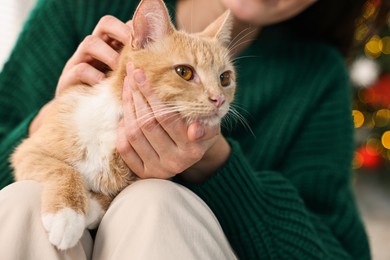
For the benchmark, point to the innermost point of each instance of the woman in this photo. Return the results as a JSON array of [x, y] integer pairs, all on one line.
[[281, 193]]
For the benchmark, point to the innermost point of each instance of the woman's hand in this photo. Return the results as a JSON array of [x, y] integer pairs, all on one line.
[[265, 12], [162, 146], [95, 55]]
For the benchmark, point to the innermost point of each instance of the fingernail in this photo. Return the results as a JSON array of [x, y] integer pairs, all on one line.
[[199, 132], [139, 77]]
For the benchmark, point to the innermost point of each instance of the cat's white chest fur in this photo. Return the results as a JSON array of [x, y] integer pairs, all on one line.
[[96, 117]]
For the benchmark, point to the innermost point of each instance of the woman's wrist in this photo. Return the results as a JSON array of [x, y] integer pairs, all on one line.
[[213, 160]]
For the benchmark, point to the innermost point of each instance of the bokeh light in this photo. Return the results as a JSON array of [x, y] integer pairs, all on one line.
[[382, 118], [369, 10], [361, 32], [358, 118], [386, 139], [358, 161], [373, 47], [386, 44]]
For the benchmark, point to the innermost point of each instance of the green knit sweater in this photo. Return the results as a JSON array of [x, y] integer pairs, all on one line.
[[285, 192]]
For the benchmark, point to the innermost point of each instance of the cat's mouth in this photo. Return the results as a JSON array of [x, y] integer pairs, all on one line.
[[210, 120]]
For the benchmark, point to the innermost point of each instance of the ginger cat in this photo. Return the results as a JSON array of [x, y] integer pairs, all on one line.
[[73, 154]]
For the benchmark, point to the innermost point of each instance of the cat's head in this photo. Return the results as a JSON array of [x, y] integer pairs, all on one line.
[[191, 73]]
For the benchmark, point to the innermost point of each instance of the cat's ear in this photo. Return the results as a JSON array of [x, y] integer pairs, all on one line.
[[151, 22], [221, 28]]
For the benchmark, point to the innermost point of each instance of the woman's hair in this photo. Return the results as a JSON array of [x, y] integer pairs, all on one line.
[[335, 21]]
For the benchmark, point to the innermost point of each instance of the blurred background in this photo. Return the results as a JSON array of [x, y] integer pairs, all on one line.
[[12, 16], [370, 77]]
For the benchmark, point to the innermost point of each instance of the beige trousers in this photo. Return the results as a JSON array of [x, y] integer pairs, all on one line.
[[151, 219]]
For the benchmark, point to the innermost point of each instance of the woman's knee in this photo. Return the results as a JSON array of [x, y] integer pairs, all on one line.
[[155, 194], [22, 196], [164, 216], [159, 201]]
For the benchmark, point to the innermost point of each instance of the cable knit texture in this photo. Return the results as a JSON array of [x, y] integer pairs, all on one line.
[[285, 191]]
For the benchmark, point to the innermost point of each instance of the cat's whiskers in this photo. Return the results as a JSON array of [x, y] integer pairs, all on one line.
[[235, 46], [244, 57], [238, 39], [235, 115], [166, 112], [157, 112], [192, 109], [189, 110], [235, 41], [151, 116], [227, 122]]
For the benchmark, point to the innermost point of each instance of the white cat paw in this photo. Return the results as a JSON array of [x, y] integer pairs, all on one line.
[[95, 214], [65, 227]]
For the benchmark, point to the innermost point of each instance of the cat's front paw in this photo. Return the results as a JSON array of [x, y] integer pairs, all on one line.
[[65, 227], [95, 214]]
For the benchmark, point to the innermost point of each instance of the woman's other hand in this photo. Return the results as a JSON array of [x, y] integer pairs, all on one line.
[[96, 54], [94, 57]]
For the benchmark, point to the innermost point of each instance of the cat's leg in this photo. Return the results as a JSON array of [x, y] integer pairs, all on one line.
[[97, 206], [64, 205]]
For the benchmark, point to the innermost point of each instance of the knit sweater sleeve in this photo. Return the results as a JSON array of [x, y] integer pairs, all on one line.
[[302, 207], [30, 75]]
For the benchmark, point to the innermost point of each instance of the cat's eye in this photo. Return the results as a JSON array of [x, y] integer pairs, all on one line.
[[185, 72], [225, 78]]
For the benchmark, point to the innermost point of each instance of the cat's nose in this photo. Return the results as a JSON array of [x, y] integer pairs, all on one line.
[[217, 100]]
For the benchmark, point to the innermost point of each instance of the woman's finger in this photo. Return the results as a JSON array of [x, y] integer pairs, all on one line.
[[94, 48], [128, 154], [82, 73], [88, 64], [169, 121], [110, 27], [198, 132], [158, 138], [134, 134], [96, 54], [160, 155]]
